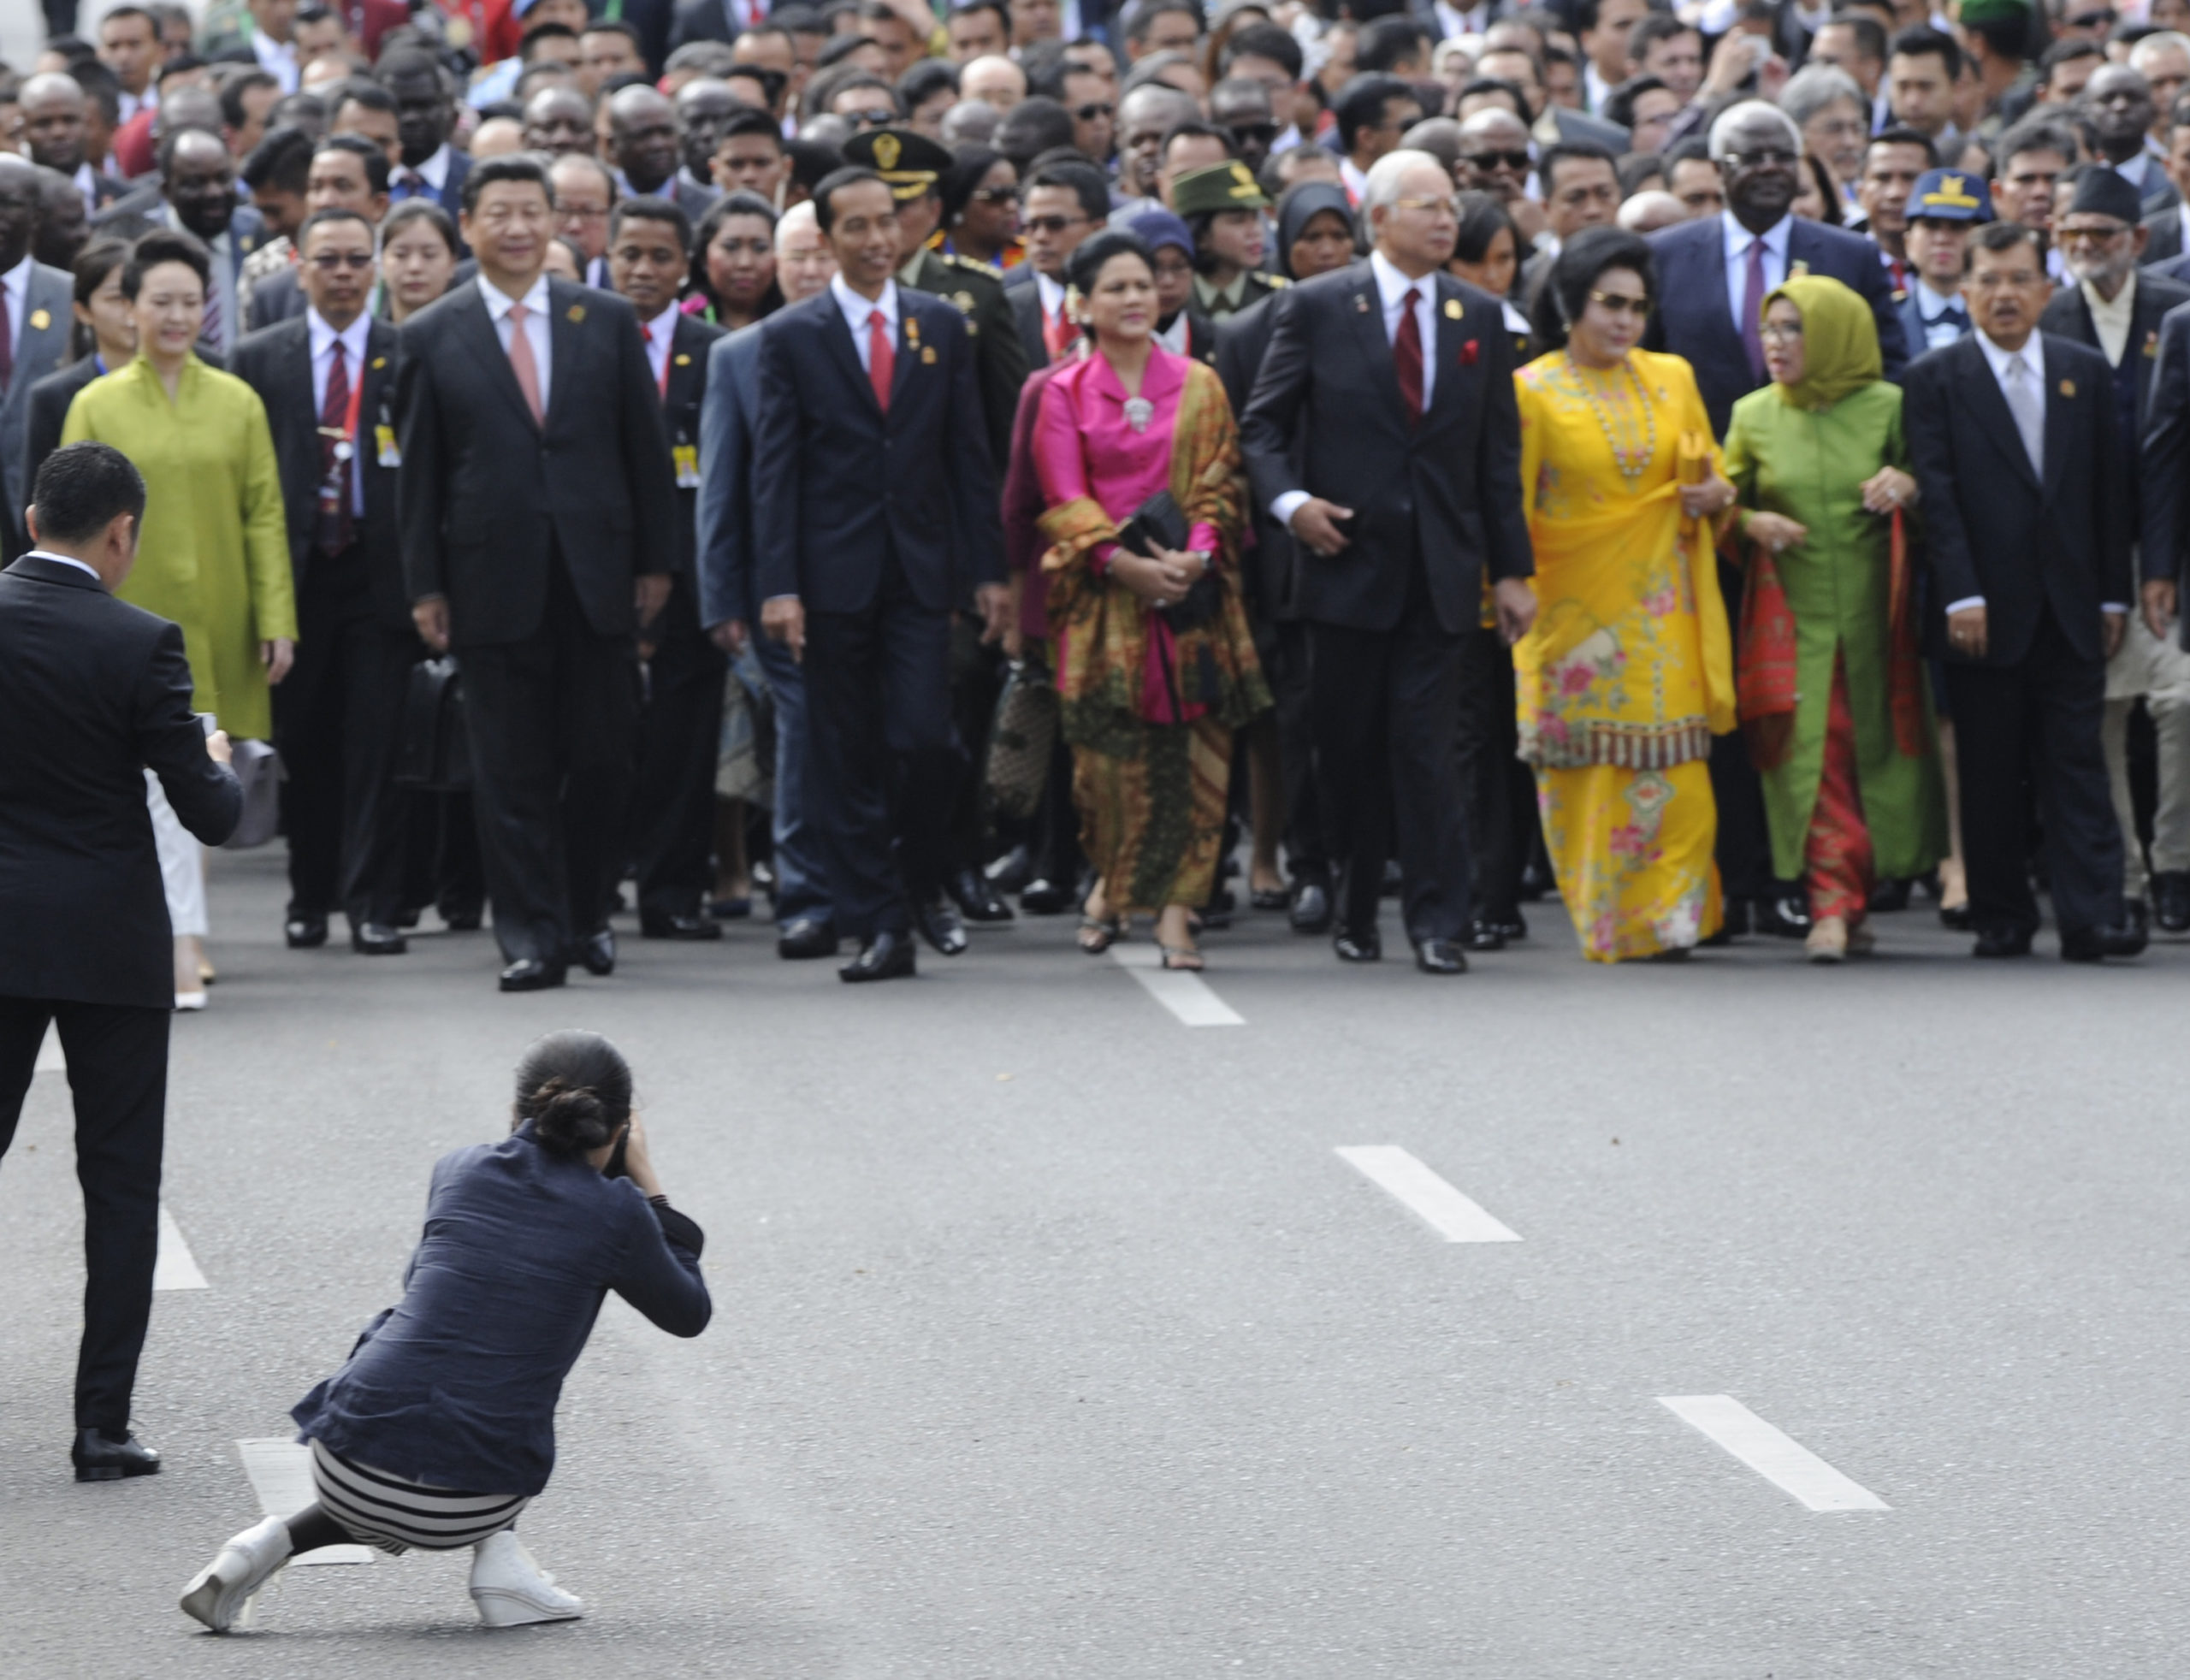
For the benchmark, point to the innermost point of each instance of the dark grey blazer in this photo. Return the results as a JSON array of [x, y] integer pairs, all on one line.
[[48, 315]]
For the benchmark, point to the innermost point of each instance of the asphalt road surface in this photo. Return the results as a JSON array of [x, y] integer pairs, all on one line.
[[1055, 1336]]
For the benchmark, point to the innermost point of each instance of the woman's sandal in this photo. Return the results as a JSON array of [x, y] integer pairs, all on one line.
[[1097, 933], [1183, 957]]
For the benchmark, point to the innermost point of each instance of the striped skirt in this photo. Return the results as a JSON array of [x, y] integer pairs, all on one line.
[[385, 1511]]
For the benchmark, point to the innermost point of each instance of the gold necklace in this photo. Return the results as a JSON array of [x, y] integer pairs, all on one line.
[[1632, 464]]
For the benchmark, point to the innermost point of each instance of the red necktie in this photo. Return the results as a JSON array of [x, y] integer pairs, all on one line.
[[1056, 334], [646, 332], [881, 359], [332, 527], [1406, 355]]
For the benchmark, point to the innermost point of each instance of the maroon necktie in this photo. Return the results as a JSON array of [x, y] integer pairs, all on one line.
[[331, 529], [1753, 311], [1406, 355]]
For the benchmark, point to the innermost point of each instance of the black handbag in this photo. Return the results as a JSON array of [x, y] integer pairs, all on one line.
[[431, 753], [1159, 521]]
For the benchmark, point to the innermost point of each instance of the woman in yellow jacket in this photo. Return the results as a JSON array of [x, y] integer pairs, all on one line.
[[214, 552]]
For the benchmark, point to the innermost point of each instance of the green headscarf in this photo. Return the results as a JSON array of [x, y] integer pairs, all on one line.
[[1840, 342]]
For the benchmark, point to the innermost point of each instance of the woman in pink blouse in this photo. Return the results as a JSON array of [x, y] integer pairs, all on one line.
[[1155, 664]]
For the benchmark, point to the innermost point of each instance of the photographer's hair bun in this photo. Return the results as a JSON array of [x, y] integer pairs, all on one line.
[[576, 1089]]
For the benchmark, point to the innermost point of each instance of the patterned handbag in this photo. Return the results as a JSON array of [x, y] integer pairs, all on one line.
[[1022, 739]]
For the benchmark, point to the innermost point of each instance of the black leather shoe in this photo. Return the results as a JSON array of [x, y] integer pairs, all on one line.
[[100, 1456], [1889, 895], [1442, 957], [887, 956], [939, 925], [2008, 942], [304, 933], [2089, 945], [1011, 871], [977, 901], [462, 918], [597, 951], [1955, 917], [374, 939], [1358, 944], [1509, 928], [1482, 936], [1782, 918], [679, 927], [1045, 897], [530, 975], [2171, 900], [407, 917], [805, 937], [1311, 908]]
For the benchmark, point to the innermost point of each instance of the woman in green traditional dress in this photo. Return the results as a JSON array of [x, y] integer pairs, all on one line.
[[1834, 702]]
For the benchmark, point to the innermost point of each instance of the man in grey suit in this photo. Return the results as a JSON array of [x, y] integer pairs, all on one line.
[[34, 321]]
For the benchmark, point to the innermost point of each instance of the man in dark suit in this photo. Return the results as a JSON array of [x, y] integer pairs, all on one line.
[[1063, 205], [1714, 275], [425, 114], [805, 927], [36, 314], [2163, 473], [875, 501], [644, 150], [680, 724], [95, 691], [538, 515], [2013, 438], [328, 379], [1383, 434]]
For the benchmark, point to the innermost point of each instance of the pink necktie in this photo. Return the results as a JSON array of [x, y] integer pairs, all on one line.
[[521, 364]]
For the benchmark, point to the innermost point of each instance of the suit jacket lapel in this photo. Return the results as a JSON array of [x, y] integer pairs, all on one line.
[[565, 343], [1983, 393], [1365, 304], [1715, 283], [2063, 415], [1450, 331], [41, 346], [477, 328], [838, 331], [908, 349]]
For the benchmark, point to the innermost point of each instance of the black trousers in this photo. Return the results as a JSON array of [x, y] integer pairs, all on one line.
[[1285, 663], [550, 721], [674, 801], [336, 717], [881, 765], [1500, 791], [118, 1074], [2040, 717], [1386, 706]]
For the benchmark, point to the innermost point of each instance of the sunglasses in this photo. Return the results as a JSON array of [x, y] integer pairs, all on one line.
[[996, 195], [876, 118], [329, 261], [1613, 303], [1052, 224], [1094, 110], [1517, 162], [1252, 133]]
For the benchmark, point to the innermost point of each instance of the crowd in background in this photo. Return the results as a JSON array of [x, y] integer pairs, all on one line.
[[1708, 594]]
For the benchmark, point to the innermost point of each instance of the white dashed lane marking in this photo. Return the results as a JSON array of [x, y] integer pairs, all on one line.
[[1784, 1462], [175, 1268], [1184, 994], [50, 1059], [1451, 1215]]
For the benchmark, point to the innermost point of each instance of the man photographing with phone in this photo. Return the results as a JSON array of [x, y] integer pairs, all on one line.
[[97, 695]]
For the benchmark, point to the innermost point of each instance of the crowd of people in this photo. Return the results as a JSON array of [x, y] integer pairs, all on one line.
[[1717, 464]]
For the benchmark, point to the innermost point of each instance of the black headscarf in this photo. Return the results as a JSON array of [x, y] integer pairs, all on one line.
[[1298, 206]]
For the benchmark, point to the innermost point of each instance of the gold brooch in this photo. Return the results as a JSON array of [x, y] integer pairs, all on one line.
[[683, 360], [380, 362], [927, 355], [2068, 388], [1452, 309], [576, 314], [40, 320]]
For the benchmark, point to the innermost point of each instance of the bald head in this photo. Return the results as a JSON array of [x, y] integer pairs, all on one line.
[[994, 80], [559, 121], [642, 138], [21, 200], [54, 117]]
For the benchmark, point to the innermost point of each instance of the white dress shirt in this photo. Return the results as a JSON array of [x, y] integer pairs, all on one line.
[[858, 311], [1052, 294], [1392, 287], [87, 187], [277, 58], [434, 171], [1354, 179], [351, 338], [498, 304], [661, 334], [66, 560], [2112, 321], [1939, 332], [1738, 240], [2138, 172], [16, 284]]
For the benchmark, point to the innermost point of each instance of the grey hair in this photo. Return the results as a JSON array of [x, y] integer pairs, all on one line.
[[1812, 90], [2161, 38], [1383, 190], [1735, 115]]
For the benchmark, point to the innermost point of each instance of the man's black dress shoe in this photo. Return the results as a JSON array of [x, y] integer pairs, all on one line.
[[1311, 908], [2171, 900], [304, 933], [1509, 927], [461, 917], [1046, 897], [1888, 895], [1442, 957], [529, 974], [99, 1455], [2089, 945], [807, 937], [597, 951], [977, 901], [1358, 944], [1011, 871], [2008, 942], [407, 917], [938, 923], [1783, 918], [679, 927], [1482, 936], [375, 938], [887, 956]]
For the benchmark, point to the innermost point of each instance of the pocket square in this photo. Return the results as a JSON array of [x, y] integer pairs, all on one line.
[[1470, 351]]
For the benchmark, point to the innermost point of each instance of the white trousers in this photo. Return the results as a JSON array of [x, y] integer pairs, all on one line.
[[182, 863]]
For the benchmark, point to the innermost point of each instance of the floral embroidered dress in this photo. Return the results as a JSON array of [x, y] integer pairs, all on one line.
[[1149, 712], [1628, 672]]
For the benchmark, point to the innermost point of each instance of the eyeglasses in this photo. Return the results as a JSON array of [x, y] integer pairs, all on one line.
[[2091, 236], [1763, 157], [1092, 110], [581, 213], [2092, 20], [329, 261], [1252, 133], [1775, 332], [996, 195], [1446, 206], [875, 118], [1052, 224], [1618, 303], [1517, 162]]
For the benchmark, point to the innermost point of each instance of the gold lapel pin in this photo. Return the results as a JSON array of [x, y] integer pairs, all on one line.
[[576, 314], [40, 320], [380, 361], [683, 360], [2068, 388], [1452, 309], [912, 331], [927, 355]]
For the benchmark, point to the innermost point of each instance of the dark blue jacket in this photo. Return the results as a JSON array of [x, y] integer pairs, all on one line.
[[726, 506], [456, 1385]]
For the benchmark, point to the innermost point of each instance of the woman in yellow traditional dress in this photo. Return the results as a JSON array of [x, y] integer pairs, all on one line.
[[213, 554], [1628, 672]]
